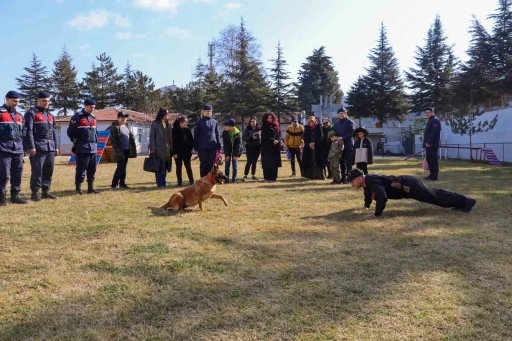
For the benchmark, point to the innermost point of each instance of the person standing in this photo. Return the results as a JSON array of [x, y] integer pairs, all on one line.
[[42, 146], [160, 144], [363, 150], [293, 141], [344, 129], [270, 147], [83, 134], [123, 145], [431, 138], [206, 140], [326, 128], [252, 138], [11, 149], [183, 143], [335, 152], [313, 161], [232, 148]]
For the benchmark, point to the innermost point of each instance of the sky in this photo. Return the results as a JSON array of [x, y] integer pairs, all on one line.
[[164, 38]]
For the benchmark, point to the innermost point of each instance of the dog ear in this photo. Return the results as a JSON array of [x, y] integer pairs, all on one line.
[[215, 167]]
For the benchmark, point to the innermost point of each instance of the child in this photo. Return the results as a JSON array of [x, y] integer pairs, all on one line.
[[232, 148], [363, 150], [334, 157]]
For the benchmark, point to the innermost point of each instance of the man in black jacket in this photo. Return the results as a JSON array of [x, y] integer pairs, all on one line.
[[431, 138], [381, 188]]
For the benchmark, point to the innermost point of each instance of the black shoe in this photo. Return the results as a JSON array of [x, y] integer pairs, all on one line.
[[180, 184], [191, 182], [3, 199], [78, 189], [15, 198], [90, 188], [428, 177], [48, 195], [468, 205], [36, 196], [244, 179], [254, 178], [293, 175], [124, 186]]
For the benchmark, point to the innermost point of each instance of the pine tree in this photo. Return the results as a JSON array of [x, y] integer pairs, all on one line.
[[318, 77], [432, 78], [126, 88], [387, 98], [102, 83], [65, 89], [359, 98], [143, 93], [502, 45], [282, 96], [34, 80]]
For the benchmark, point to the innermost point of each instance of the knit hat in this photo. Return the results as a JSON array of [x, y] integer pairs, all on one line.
[[342, 109], [331, 133], [89, 101], [12, 94], [43, 94], [207, 107], [230, 123]]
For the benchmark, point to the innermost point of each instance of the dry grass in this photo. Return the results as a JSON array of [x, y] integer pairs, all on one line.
[[293, 260]]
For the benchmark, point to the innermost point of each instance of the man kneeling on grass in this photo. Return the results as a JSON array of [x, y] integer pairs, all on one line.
[[381, 188]]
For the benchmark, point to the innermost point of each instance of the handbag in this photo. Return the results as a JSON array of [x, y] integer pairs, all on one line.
[[152, 164], [424, 164]]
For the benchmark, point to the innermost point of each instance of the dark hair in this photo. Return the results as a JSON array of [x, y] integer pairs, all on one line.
[[266, 115], [249, 123], [161, 114], [178, 121]]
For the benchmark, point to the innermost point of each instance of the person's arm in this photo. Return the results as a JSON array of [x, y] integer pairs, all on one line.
[[286, 138], [197, 133], [370, 151], [380, 196], [73, 124], [114, 139], [152, 137], [367, 197], [29, 132], [217, 137], [349, 131]]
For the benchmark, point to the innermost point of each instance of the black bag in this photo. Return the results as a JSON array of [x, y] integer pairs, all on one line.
[[152, 164]]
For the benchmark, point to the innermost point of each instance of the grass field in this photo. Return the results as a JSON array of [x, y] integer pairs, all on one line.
[[291, 260]]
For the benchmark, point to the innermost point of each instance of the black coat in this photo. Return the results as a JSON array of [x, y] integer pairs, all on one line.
[[366, 143], [308, 157], [183, 142], [270, 153], [232, 148]]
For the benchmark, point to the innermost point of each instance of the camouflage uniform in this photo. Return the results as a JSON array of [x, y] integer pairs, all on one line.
[[334, 159]]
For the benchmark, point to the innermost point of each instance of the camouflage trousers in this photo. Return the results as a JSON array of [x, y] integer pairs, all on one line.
[[334, 162]]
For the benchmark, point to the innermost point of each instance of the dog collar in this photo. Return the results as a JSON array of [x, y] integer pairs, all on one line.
[[210, 179]]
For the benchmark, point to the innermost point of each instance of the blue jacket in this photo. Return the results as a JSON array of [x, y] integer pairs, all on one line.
[[345, 128], [41, 133], [432, 132], [83, 133], [11, 130], [206, 134]]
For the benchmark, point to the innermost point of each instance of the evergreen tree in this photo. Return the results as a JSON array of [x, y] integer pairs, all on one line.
[[65, 89], [387, 98], [34, 80], [359, 98], [318, 77], [502, 45], [126, 88], [432, 78], [143, 93], [282, 96], [102, 83]]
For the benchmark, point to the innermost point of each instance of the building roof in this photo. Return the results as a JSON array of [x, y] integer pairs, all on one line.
[[110, 115]]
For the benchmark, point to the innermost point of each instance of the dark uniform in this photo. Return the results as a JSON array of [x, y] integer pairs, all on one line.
[[41, 135], [432, 136], [11, 151], [84, 135], [381, 188]]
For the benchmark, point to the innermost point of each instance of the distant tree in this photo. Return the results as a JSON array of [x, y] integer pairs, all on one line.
[[34, 80], [102, 83], [501, 42], [64, 86]]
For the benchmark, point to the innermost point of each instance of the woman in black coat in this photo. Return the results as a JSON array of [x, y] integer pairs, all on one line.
[[183, 143], [313, 161], [270, 147]]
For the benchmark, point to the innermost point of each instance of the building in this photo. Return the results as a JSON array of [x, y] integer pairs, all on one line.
[[139, 125]]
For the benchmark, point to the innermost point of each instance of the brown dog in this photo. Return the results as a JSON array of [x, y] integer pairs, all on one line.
[[199, 192]]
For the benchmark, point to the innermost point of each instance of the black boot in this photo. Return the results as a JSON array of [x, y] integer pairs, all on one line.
[[79, 189], [36, 196], [47, 194], [15, 198], [3, 199], [90, 188]]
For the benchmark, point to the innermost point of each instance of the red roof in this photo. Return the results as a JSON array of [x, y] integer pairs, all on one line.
[[110, 115]]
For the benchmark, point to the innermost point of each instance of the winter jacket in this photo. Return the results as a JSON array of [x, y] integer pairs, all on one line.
[[432, 132], [336, 149], [206, 134], [345, 129], [182, 142], [83, 133], [294, 136], [11, 131], [327, 139], [232, 143], [40, 130], [363, 151], [115, 141], [157, 141], [248, 136], [270, 154]]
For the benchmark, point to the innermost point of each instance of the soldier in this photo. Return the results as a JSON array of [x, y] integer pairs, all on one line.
[[84, 135], [11, 149], [381, 188], [42, 145], [344, 129]]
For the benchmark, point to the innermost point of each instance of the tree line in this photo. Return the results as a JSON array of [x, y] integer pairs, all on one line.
[[235, 81]]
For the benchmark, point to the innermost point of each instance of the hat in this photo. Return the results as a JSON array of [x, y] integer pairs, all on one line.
[[230, 123], [359, 130], [294, 118], [207, 107], [429, 108], [12, 94], [43, 94], [331, 133], [89, 101], [341, 109], [354, 173], [122, 114]]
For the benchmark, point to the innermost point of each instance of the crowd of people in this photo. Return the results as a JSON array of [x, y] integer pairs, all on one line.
[[321, 151]]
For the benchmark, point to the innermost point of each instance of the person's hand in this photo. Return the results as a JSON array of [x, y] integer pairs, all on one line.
[[32, 152], [57, 152], [255, 137], [175, 156], [428, 145], [276, 141], [153, 151], [227, 158], [312, 145], [340, 138], [235, 158]]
